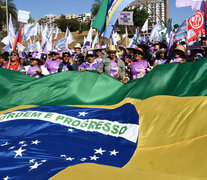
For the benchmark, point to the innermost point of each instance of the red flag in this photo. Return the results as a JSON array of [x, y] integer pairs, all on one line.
[[18, 39], [196, 25]]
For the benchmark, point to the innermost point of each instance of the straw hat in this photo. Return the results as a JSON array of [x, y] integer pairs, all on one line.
[[138, 49], [180, 48], [161, 51], [112, 48], [77, 46], [132, 47], [98, 47]]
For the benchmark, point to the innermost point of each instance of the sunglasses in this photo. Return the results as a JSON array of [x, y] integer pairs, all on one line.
[[137, 53], [90, 56], [13, 55], [97, 50], [66, 56]]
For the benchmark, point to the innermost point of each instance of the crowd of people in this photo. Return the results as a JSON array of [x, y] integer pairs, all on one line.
[[122, 63]]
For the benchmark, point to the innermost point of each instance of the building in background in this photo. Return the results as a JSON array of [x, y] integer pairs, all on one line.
[[155, 8], [50, 18]]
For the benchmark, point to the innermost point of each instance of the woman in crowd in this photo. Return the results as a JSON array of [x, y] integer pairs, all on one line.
[[91, 63], [52, 65], [112, 65], [179, 55], [196, 52], [138, 67], [67, 64], [36, 69], [3, 59], [98, 53], [161, 57]]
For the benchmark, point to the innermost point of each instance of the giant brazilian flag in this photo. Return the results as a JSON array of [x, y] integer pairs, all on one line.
[[85, 125]]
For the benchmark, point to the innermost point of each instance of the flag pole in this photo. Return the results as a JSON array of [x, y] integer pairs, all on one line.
[[126, 36], [7, 18]]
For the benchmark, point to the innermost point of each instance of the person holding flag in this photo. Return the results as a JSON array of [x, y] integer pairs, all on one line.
[[14, 63]]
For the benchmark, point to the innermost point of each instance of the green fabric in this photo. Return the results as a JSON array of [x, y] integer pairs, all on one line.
[[100, 18], [91, 88]]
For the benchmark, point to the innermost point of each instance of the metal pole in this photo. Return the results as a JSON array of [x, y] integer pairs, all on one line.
[[153, 11], [166, 11], [7, 18]]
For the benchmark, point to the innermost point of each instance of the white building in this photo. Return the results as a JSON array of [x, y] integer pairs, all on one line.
[[50, 18], [71, 16], [154, 8], [85, 17]]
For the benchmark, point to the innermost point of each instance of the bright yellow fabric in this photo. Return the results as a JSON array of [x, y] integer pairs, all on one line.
[[172, 143]]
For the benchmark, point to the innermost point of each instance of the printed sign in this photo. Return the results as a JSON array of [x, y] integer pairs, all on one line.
[[23, 16], [126, 18]]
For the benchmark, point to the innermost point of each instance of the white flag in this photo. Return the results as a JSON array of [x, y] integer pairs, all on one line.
[[155, 32], [95, 41], [30, 30], [49, 42], [145, 26], [69, 37], [38, 47], [45, 35], [6, 40], [84, 40], [56, 35], [115, 38], [131, 40], [12, 35], [90, 35], [20, 47], [23, 16], [125, 35]]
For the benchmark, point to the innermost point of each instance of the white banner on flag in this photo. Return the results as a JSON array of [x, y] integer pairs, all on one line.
[[126, 18], [23, 16], [191, 33]]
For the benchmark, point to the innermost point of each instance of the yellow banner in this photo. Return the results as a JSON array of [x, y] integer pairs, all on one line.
[[172, 143]]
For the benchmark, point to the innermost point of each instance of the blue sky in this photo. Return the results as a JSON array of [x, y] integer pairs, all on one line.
[[41, 7]]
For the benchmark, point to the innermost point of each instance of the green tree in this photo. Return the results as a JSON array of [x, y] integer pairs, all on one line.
[[139, 16], [95, 7], [85, 26], [11, 10], [63, 23]]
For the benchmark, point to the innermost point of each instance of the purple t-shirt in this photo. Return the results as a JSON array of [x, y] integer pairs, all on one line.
[[114, 68], [31, 71], [176, 60], [138, 69], [88, 66], [98, 60], [52, 65], [160, 61]]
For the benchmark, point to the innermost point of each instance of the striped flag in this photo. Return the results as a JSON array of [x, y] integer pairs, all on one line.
[[108, 14], [181, 32], [69, 36], [61, 44]]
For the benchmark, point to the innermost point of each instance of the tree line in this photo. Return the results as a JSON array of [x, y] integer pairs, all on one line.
[[140, 16]]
